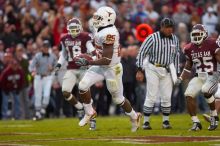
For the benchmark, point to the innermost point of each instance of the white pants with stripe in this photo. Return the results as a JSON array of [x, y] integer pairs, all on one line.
[[205, 85], [42, 89], [159, 82]]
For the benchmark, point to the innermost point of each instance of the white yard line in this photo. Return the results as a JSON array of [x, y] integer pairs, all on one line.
[[17, 126]]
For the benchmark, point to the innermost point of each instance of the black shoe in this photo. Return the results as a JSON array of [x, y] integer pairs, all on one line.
[[80, 113], [146, 126], [213, 123], [166, 125], [196, 126], [92, 124]]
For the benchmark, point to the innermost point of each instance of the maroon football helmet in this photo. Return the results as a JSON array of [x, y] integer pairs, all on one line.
[[199, 34], [74, 27]]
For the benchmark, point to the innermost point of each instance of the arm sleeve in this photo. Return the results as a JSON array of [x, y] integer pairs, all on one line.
[[144, 50], [63, 55]]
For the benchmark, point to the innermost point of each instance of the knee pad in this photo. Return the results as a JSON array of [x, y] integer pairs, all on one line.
[[67, 96], [210, 99], [83, 85], [118, 100]]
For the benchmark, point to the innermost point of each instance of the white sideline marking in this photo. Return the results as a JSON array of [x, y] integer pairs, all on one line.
[[17, 126], [12, 144], [22, 133]]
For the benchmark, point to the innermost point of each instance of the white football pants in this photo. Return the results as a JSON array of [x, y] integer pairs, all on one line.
[[42, 88]]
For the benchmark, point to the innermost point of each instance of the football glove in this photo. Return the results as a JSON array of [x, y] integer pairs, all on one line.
[[81, 61]]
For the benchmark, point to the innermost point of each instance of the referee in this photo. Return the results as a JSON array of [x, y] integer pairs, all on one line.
[[162, 49], [41, 69]]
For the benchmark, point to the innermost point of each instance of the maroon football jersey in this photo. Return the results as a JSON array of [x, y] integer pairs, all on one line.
[[203, 56], [74, 47]]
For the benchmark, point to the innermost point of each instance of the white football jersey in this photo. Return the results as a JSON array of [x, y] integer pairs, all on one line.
[[108, 35]]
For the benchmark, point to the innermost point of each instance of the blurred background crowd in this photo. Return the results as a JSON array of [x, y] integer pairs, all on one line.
[[25, 24]]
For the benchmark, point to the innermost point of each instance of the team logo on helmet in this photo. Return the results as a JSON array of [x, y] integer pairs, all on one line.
[[104, 16]]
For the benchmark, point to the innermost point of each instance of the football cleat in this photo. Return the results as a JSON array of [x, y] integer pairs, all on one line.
[[166, 125], [196, 126], [146, 126], [213, 123], [37, 116], [92, 124], [135, 123], [85, 120]]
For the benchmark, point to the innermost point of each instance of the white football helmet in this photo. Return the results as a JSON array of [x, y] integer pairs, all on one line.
[[74, 27], [104, 16], [199, 34]]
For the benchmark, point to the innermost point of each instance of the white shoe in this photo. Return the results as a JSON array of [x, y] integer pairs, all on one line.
[[86, 119], [135, 123]]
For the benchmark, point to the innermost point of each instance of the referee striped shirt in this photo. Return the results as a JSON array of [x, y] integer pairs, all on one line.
[[160, 50]]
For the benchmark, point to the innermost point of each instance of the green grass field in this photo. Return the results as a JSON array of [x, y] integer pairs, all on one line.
[[110, 131]]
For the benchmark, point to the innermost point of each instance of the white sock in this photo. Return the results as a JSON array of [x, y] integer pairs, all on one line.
[[132, 114], [146, 118], [195, 119], [165, 118], [213, 113], [79, 105], [88, 108]]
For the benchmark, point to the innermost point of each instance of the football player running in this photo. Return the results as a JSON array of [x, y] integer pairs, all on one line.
[[74, 43], [204, 53], [107, 66]]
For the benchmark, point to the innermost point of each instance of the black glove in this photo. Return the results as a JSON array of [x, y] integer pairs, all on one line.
[[81, 61], [57, 68]]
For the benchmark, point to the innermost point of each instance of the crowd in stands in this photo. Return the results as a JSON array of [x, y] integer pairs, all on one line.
[[25, 24]]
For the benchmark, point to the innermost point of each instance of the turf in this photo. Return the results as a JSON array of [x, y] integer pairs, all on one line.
[[67, 132]]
